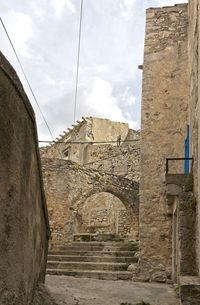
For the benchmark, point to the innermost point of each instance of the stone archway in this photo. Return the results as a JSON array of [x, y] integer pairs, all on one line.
[[105, 213], [69, 187]]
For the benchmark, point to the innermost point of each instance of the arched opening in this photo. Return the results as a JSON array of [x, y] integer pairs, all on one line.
[[105, 213]]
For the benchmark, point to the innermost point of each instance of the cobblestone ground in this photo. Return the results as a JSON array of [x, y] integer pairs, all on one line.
[[81, 291]]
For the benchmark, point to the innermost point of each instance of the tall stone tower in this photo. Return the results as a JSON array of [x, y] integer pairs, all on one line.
[[164, 119]]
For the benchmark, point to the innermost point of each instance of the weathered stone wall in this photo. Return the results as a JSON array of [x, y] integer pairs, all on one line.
[[23, 218], [194, 65], [97, 149], [121, 160], [105, 213], [187, 226], [182, 207], [164, 119], [89, 130], [74, 192]]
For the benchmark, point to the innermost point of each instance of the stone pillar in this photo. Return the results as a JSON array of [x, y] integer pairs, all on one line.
[[164, 119]]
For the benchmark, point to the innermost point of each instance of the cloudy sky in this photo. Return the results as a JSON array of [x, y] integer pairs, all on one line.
[[45, 35]]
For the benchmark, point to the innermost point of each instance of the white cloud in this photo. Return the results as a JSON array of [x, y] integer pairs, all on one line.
[[102, 102], [131, 101], [49, 81], [60, 6], [170, 2], [127, 98], [20, 29], [129, 3], [101, 68], [127, 9]]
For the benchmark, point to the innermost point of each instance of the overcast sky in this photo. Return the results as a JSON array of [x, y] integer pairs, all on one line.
[[45, 35]]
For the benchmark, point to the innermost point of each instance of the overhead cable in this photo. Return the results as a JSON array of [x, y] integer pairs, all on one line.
[[78, 60], [90, 142], [26, 78]]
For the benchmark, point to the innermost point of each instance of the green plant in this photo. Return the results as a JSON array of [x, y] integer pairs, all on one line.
[[191, 201], [189, 183], [114, 237], [85, 238]]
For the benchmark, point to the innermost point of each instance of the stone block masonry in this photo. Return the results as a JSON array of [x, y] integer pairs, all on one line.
[[194, 111], [121, 160], [97, 151], [82, 200], [163, 130]]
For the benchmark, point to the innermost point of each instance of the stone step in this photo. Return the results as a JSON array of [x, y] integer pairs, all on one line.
[[95, 274], [96, 237], [109, 243], [105, 247], [93, 253], [87, 266], [106, 259], [95, 259]]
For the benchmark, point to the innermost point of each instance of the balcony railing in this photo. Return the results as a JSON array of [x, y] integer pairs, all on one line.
[[177, 165]]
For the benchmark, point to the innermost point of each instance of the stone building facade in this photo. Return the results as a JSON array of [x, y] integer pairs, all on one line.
[[169, 202], [91, 178], [24, 226], [163, 130]]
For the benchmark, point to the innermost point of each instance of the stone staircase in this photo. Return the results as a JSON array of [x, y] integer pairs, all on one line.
[[99, 260]]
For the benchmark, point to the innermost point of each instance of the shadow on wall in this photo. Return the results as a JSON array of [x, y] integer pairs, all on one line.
[[24, 227]]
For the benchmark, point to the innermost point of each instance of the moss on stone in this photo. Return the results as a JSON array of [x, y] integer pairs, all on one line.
[[189, 183]]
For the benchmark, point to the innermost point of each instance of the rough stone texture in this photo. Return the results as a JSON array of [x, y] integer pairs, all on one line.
[[43, 296], [194, 62], [187, 232], [164, 119], [102, 212], [189, 290], [123, 160], [76, 194], [182, 207], [23, 218]]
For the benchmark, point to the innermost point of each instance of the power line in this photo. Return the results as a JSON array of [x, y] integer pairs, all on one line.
[[26, 78], [91, 142], [78, 60], [103, 159]]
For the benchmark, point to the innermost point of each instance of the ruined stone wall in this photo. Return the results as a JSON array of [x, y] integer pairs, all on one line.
[[121, 160], [67, 151], [89, 130], [80, 199], [104, 213], [194, 65], [97, 149], [164, 119], [23, 218]]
